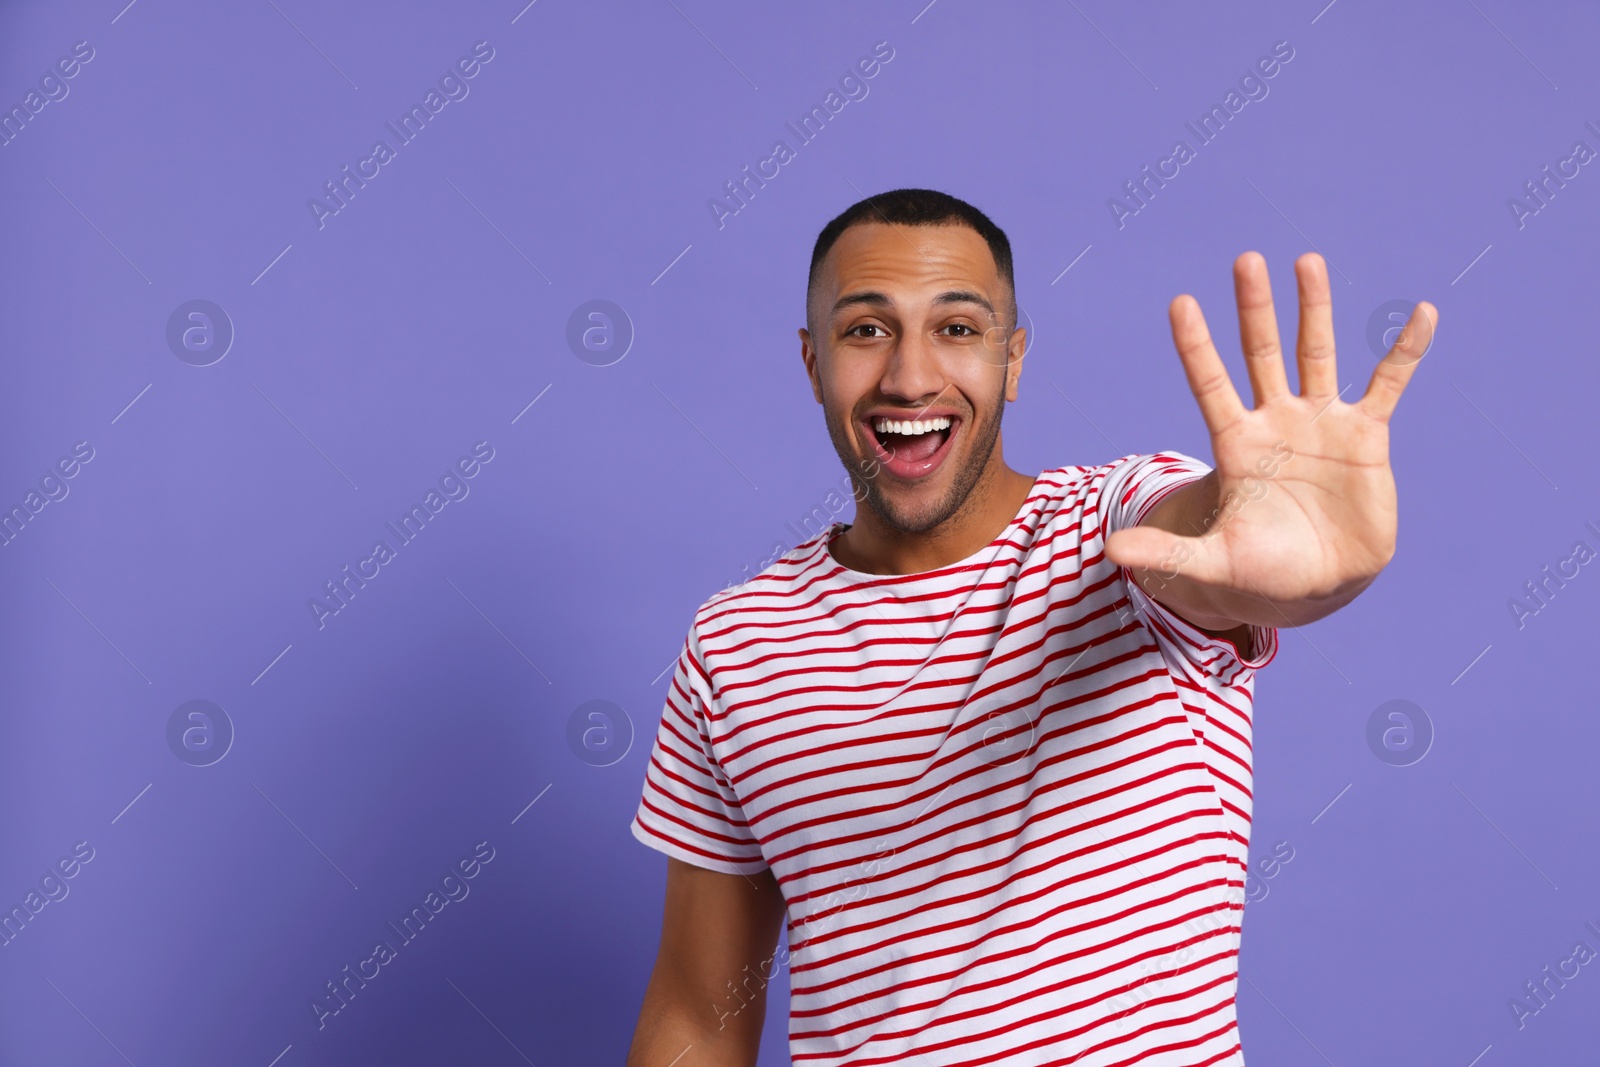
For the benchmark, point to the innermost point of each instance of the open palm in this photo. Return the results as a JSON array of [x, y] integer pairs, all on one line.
[[1306, 494]]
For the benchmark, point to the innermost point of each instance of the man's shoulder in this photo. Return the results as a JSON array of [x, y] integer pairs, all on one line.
[[1093, 476], [1116, 483], [1073, 487], [779, 582], [1166, 457]]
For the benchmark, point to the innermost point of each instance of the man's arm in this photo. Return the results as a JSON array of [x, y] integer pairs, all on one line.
[[1299, 514], [719, 934]]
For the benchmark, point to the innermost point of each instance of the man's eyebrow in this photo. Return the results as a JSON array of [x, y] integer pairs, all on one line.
[[852, 299], [964, 296], [877, 299]]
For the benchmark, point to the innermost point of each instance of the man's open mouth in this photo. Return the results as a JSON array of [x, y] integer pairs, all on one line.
[[912, 448]]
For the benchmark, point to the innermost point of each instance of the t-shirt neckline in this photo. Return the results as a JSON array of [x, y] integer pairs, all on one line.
[[841, 571]]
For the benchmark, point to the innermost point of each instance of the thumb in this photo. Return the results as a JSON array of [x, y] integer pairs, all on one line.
[[1157, 556]]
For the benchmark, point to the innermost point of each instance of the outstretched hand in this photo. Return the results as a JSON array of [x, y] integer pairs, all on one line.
[[1302, 497]]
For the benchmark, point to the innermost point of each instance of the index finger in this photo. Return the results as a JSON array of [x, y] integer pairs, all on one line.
[[1213, 390]]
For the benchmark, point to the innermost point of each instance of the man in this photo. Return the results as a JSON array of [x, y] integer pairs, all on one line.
[[988, 747]]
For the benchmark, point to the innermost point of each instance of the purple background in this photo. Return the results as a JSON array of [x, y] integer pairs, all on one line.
[[432, 309]]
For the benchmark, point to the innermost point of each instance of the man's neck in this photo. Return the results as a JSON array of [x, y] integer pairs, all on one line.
[[872, 546]]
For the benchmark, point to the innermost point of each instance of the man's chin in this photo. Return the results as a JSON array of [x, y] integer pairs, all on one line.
[[915, 508]]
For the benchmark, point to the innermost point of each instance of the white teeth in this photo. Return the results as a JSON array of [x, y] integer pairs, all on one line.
[[911, 428]]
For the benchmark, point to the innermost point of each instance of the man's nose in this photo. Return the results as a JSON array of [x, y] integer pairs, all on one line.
[[914, 370]]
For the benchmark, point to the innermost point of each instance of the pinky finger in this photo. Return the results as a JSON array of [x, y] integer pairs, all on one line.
[[1394, 370]]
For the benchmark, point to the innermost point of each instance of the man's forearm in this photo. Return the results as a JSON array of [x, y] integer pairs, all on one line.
[[670, 1028], [1195, 510], [673, 1041]]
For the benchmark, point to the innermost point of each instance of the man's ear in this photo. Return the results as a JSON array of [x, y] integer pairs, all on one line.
[[1015, 347], [808, 355]]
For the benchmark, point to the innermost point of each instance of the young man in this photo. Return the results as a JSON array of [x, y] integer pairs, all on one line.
[[988, 747]]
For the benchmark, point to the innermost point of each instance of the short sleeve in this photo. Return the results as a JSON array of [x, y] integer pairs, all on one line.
[[1134, 486], [689, 809]]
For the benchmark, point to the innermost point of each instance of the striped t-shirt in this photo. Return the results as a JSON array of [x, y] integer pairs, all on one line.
[[1007, 800]]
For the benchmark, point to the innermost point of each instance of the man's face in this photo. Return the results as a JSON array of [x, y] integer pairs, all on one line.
[[912, 325]]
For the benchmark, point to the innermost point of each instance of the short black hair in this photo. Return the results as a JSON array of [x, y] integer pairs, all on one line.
[[916, 207]]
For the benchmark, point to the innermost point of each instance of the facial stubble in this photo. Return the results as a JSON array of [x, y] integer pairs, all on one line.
[[864, 470]]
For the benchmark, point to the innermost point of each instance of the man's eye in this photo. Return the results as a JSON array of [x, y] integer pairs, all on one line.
[[863, 326], [961, 326]]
